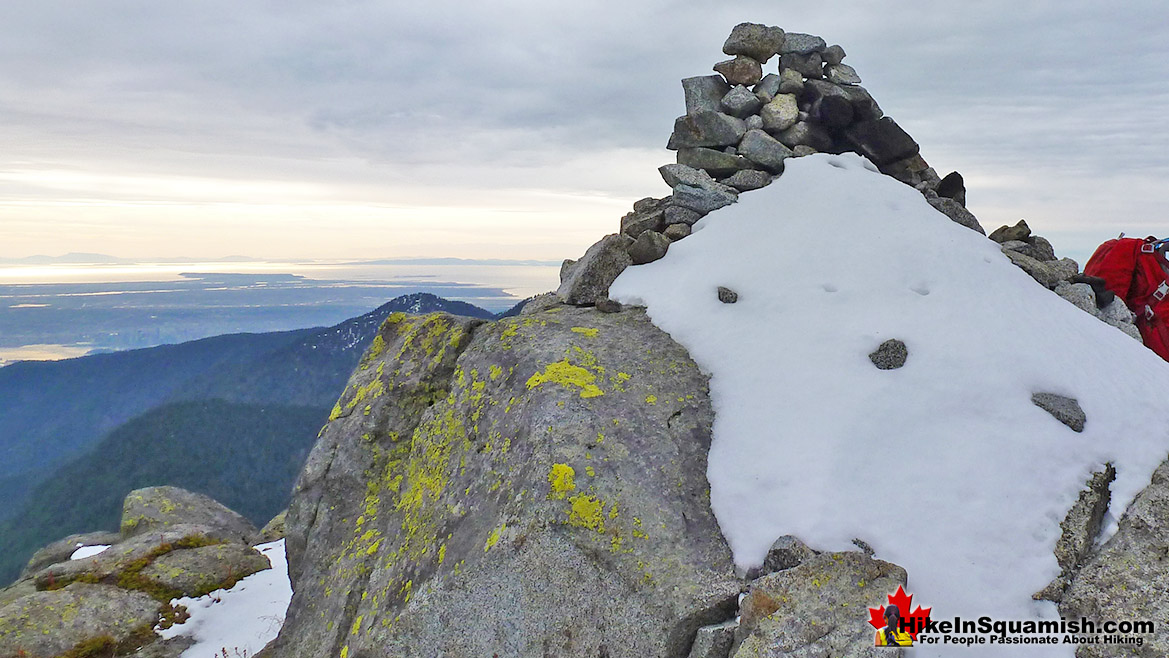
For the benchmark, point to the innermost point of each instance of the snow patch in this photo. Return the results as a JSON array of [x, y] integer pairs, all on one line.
[[943, 466], [83, 552], [240, 620]]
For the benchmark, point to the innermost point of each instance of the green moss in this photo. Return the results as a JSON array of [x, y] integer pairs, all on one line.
[[104, 646], [130, 577]]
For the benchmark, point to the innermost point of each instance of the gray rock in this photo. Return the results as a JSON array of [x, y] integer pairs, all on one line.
[[1044, 273], [863, 105], [800, 150], [1079, 294], [780, 114], [740, 71], [841, 74], [700, 200], [957, 213], [1065, 268], [785, 553], [1035, 247], [769, 85], [679, 215], [714, 641], [541, 303], [704, 93], [727, 296], [168, 648], [1128, 577], [881, 140], [51, 623], [707, 129], [608, 306], [17, 590], [912, 170], [817, 608], [677, 231], [1019, 231], [952, 186], [469, 499], [1081, 526], [1116, 313], [833, 55], [1041, 249], [590, 277], [748, 180], [832, 111], [807, 134], [803, 44], [809, 66], [1066, 410], [197, 571], [128, 554], [274, 529], [678, 174], [754, 122], [790, 82], [764, 150], [759, 42], [62, 549], [648, 247], [741, 102], [156, 508], [716, 163], [890, 355], [634, 224], [650, 203]]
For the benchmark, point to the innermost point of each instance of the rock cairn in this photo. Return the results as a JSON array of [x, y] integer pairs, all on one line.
[[742, 123]]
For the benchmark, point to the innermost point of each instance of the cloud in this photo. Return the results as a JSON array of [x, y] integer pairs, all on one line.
[[420, 103]]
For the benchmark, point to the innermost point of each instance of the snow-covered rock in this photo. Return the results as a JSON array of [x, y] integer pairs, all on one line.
[[944, 466]]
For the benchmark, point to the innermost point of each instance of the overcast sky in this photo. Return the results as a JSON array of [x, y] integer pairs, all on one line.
[[525, 129]]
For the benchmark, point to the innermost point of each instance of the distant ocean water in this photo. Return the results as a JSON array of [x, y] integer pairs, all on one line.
[[63, 310]]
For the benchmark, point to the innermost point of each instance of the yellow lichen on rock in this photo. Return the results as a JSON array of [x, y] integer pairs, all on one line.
[[561, 481], [564, 373], [586, 512]]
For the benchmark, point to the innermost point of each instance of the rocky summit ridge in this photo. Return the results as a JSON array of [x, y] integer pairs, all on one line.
[[537, 485]]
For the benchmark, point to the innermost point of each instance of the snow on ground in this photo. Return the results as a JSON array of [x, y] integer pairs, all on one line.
[[944, 466], [83, 551], [242, 619]]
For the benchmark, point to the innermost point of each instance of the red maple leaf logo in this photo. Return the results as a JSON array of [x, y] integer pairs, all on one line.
[[911, 622]]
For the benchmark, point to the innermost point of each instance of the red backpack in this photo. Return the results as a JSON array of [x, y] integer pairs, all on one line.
[[1131, 268]]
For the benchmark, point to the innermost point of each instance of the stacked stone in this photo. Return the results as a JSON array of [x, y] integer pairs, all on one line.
[[741, 125], [739, 128], [1034, 255]]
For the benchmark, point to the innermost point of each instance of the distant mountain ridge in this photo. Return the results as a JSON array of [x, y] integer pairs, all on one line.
[[53, 414]]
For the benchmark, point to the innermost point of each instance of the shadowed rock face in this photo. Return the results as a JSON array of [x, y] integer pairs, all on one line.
[[1127, 578], [531, 487]]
